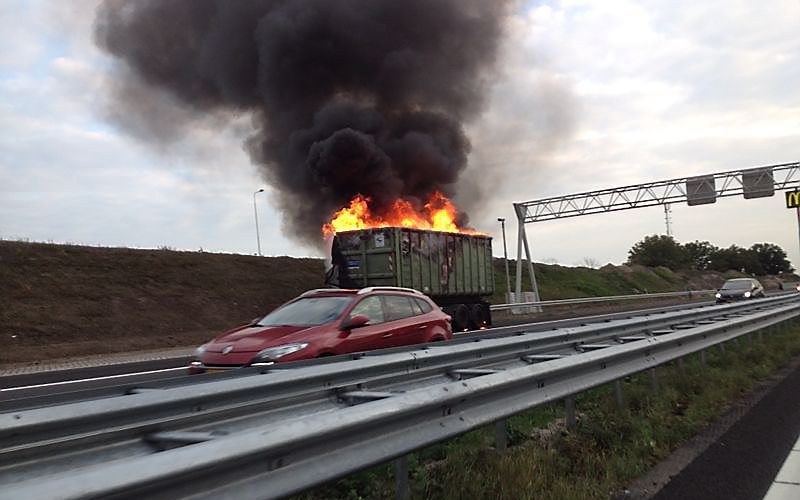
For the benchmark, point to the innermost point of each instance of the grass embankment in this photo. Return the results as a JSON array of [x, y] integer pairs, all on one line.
[[58, 301], [608, 448], [561, 282]]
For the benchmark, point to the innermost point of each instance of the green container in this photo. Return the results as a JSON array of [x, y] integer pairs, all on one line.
[[442, 265]]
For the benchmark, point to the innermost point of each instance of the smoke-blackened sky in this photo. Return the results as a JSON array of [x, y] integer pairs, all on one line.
[[346, 96]]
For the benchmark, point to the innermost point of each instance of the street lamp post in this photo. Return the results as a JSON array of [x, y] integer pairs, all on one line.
[[255, 214], [502, 222]]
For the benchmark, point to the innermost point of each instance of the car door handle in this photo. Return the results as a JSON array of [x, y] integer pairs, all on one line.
[[387, 335], [422, 327]]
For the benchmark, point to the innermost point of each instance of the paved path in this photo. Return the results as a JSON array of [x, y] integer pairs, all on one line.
[[786, 485]]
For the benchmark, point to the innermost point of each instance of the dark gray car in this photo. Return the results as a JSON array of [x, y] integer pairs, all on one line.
[[740, 288]]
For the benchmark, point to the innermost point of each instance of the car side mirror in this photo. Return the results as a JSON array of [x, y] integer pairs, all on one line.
[[255, 321], [355, 322]]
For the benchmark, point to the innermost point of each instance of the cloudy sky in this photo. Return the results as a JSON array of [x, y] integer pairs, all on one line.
[[588, 95]]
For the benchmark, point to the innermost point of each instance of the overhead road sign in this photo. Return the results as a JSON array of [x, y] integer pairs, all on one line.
[[758, 183], [701, 190]]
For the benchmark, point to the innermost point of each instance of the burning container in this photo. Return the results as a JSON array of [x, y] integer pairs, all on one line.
[[454, 269]]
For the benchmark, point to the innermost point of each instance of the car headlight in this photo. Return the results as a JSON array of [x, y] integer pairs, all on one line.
[[747, 295], [718, 295], [200, 351], [273, 353]]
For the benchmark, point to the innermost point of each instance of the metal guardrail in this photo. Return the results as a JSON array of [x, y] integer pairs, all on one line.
[[612, 298], [312, 424]]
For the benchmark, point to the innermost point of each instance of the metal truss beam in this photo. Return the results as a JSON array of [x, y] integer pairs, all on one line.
[[754, 182], [648, 194]]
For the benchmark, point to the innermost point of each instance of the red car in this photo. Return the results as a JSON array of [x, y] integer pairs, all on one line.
[[327, 322]]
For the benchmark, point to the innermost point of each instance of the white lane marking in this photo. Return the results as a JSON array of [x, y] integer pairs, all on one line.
[[91, 379]]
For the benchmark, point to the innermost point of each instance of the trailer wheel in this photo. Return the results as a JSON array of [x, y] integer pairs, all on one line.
[[477, 316], [460, 318]]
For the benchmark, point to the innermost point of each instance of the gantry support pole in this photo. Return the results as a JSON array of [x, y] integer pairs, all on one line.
[[522, 239]]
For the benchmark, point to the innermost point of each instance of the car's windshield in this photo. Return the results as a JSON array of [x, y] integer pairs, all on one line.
[[737, 285], [307, 311]]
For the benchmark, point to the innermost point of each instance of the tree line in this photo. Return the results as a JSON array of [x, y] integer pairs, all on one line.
[[662, 250]]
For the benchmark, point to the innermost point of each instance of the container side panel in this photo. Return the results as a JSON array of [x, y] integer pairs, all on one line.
[[488, 268], [474, 281], [437, 250], [480, 269], [462, 269], [480, 265], [439, 264], [425, 263], [408, 254], [416, 259], [472, 268], [370, 257]]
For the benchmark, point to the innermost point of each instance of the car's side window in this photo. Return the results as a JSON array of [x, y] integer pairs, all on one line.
[[370, 307], [397, 307], [424, 305]]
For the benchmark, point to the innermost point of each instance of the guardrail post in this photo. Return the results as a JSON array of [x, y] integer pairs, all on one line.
[[722, 347], [500, 435], [653, 380], [401, 489], [569, 404], [618, 393], [680, 366], [703, 358]]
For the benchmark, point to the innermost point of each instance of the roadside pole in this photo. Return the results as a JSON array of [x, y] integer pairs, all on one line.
[[798, 225], [793, 201]]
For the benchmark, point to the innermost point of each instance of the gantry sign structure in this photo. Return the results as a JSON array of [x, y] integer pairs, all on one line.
[[757, 182]]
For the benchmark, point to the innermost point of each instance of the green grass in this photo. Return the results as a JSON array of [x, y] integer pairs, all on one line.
[[607, 449], [559, 282]]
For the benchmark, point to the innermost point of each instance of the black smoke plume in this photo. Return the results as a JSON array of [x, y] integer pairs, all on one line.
[[347, 96]]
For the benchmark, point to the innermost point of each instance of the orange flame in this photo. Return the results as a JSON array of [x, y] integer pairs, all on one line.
[[439, 214]]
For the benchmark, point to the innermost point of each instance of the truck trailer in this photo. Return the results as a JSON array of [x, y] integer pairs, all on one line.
[[453, 269]]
